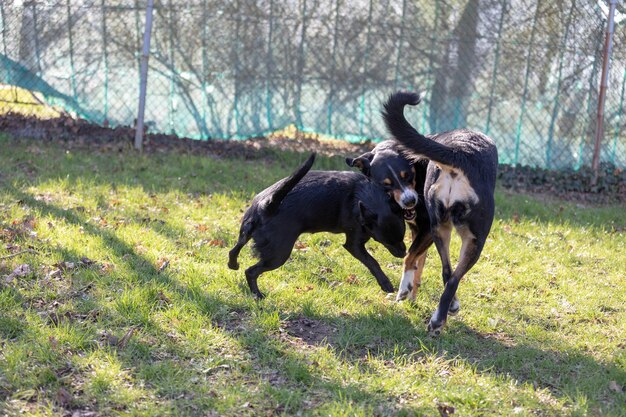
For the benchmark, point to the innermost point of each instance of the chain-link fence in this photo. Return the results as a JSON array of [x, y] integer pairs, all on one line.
[[526, 72]]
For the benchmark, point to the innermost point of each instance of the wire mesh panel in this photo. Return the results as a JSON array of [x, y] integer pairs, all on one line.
[[526, 72]]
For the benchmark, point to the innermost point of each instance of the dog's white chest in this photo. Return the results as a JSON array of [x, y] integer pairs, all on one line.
[[452, 186]]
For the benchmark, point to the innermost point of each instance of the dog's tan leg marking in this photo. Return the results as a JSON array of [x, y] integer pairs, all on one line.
[[422, 239], [411, 271], [408, 272], [417, 276]]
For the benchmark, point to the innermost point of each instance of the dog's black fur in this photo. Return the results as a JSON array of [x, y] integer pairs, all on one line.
[[403, 178], [458, 190], [319, 201]]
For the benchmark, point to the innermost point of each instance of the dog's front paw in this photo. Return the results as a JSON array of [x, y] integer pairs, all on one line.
[[402, 295], [233, 265], [435, 326]]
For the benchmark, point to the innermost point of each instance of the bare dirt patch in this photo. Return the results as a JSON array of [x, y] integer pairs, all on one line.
[[571, 185], [79, 133], [305, 331]]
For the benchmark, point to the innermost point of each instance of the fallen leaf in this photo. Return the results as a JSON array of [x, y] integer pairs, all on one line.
[[217, 242], [301, 246], [164, 298], [202, 227], [86, 261], [84, 413], [445, 410], [107, 267], [124, 341], [63, 397], [162, 263], [110, 339], [64, 266], [19, 272], [54, 274], [53, 342], [200, 243], [615, 387], [210, 371], [352, 279]]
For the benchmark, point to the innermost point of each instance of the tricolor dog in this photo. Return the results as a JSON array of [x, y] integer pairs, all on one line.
[[403, 178], [458, 190]]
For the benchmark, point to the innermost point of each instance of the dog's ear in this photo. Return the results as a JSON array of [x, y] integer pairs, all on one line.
[[367, 217], [361, 162]]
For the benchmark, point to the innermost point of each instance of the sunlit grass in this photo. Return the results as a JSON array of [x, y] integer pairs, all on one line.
[[158, 325], [19, 101]]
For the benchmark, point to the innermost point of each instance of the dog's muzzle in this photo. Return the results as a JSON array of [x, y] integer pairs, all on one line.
[[409, 214]]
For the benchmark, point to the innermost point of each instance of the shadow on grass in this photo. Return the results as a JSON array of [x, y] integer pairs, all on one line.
[[513, 208], [567, 374], [283, 371]]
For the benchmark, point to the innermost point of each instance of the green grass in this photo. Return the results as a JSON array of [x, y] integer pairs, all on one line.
[[17, 100], [541, 330]]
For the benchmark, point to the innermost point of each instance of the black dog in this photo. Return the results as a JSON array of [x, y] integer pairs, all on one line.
[[458, 189], [403, 178], [319, 201]]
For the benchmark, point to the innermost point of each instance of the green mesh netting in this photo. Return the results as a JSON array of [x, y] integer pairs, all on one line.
[[526, 72]]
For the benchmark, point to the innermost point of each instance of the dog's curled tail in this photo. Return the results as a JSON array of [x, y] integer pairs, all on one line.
[[287, 184], [403, 132]]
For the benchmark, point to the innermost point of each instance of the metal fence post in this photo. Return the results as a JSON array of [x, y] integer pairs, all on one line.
[[608, 47], [143, 83], [71, 45], [105, 61]]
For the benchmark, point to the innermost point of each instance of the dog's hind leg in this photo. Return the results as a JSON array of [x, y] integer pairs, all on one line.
[[441, 234], [272, 256], [252, 274], [244, 237], [470, 252], [414, 265], [357, 249]]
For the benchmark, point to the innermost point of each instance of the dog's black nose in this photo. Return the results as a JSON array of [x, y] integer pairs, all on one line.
[[399, 250], [409, 201]]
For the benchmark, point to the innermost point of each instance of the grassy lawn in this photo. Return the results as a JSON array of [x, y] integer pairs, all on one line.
[[115, 299]]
